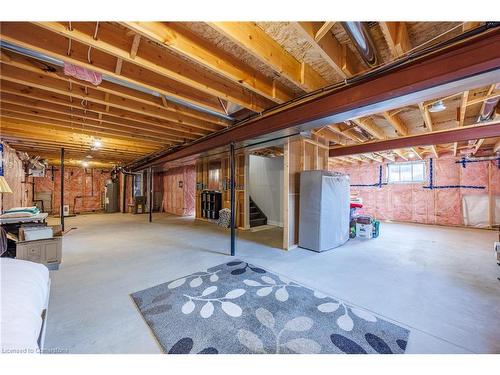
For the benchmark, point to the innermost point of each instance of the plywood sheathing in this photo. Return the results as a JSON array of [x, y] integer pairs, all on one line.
[[179, 192]]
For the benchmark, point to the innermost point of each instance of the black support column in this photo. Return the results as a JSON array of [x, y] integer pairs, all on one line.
[[150, 175], [62, 188], [233, 205]]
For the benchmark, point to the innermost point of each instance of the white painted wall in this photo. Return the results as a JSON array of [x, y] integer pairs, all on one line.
[[265, 186]]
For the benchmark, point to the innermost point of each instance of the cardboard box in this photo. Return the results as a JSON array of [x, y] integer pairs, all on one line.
[[36, 233], [46, 251], [364, 230]]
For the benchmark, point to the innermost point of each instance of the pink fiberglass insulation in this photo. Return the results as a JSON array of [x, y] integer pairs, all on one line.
[[82, 73], [14, 175], [83, 188], [411, 202]]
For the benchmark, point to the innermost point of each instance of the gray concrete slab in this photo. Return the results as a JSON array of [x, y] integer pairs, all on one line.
[[439, 281]]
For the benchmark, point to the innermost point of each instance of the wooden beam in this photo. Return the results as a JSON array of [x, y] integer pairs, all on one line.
[[483, 99], [78, 114], [368, 125], [70, 125], [396, 123], [35, 97], [348, 133], [323, 30], [135, 46], [482, 130], [194, 48], [461, 117], [470, 25], [173, 111], [33, 80], [118, 68], [401, 154], [416, 152], [456, 61], [480, 142], [435, 151], [373, 157], [396, 36], [496, 147], [338, 56], [424, 112], [187, 75], [54, 44], [255, 41], [29, 130]]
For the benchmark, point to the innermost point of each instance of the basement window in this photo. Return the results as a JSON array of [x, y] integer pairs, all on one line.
[[407, 172], [137, 185]]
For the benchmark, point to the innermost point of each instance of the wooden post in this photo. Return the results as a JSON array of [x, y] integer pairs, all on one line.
[[62, 188], [233, 205], [150, 174]]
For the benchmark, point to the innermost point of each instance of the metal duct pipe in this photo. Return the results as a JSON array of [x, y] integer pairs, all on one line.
[[360, 36], [489, 106]]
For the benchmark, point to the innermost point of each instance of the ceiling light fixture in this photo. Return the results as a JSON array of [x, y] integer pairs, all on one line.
[[437, 106], [411, 155], [85, 164], [96, 143]]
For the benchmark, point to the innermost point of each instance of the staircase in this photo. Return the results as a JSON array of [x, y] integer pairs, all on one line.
[[257, 217]]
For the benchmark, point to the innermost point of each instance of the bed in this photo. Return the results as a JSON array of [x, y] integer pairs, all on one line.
[[25, 289]]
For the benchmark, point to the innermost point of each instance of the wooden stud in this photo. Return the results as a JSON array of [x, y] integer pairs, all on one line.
[[135, 46], [118, 68], [323, 30]]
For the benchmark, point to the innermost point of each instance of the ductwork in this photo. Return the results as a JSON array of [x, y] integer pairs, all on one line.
[[360, 36], [489, 107]]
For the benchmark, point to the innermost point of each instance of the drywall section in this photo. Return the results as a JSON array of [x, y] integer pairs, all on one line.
[[473, 203], [300, 154], [22, 190], [83, 188], [179, 190], [265, 186]]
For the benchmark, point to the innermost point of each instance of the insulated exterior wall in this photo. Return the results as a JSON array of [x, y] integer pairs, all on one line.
[[411, 202], [14, 175], [83, 188]]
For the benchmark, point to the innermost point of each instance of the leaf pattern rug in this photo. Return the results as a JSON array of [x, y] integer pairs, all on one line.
[[240, 308]]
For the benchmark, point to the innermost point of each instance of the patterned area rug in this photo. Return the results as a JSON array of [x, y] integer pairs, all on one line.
[[240, 308]]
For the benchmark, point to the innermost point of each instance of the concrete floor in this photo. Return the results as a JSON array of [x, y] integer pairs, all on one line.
[[440, 282]]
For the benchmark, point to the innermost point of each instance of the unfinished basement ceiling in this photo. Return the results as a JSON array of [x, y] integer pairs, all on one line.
[[200, 73]]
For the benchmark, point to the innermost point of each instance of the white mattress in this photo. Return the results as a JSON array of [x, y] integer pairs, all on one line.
[[24, 295]]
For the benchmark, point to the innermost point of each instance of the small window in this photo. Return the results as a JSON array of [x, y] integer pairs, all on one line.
[[137, 185], [406, 172]]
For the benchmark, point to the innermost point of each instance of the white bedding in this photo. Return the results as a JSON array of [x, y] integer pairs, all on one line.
[[24, 295]]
